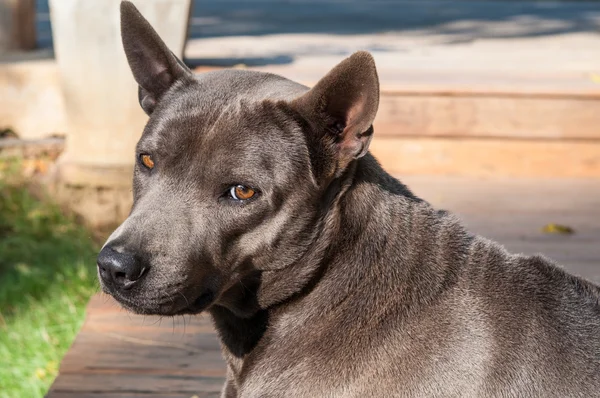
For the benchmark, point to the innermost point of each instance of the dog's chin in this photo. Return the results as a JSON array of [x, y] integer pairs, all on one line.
[[199, 305], [173, 308]]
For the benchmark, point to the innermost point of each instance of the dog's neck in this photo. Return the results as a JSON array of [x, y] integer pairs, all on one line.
[[348, 232], [241, 324]]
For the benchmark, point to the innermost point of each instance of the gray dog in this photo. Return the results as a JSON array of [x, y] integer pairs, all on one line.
[[257, 201]]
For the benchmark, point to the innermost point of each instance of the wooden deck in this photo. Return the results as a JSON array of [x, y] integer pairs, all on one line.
[[121, 355]]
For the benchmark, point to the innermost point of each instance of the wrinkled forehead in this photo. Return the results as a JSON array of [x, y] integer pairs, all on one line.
[[228, 120], [213, 96], [251, 85]]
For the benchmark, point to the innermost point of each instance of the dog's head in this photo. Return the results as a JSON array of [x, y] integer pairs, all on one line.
[[231, 173]]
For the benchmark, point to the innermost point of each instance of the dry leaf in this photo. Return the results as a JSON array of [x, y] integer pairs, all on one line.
[[557, 229]]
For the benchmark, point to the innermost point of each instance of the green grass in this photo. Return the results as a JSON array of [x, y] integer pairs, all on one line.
[[47, 275]]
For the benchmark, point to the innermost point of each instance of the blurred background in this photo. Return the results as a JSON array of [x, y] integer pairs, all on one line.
[[488, 108]]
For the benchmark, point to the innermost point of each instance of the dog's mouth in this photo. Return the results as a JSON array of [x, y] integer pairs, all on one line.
[[176, 305], [199, 305]]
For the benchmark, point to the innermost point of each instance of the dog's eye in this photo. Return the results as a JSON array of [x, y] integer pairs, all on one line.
[[241, 192], [147, 161]]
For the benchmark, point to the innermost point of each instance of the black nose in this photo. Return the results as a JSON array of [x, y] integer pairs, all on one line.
[[121, 270]]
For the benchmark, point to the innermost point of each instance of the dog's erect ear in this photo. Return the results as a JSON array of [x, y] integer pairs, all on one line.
[[343, 104], [154, 66]]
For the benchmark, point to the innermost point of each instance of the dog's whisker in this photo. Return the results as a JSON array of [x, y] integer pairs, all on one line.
[[185, 298]]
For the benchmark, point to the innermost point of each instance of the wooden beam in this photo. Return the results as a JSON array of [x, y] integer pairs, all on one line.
[[488, 157], [489, 116]]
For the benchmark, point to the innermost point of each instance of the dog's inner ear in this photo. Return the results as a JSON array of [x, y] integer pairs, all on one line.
[[341, 107], [155, 68]]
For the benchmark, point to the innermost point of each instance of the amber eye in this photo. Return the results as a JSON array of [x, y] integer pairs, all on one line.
[[241, 192], [147, 161]]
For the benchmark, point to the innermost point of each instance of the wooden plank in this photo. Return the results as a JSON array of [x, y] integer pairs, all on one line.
[[135, 384], [77, 394], [166, 354], [122, 354], [489, 157], [488, 116], [99, 320], [125, 343]]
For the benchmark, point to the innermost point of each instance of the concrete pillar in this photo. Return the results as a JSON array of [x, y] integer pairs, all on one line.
[[17, 25], [104, 118]]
